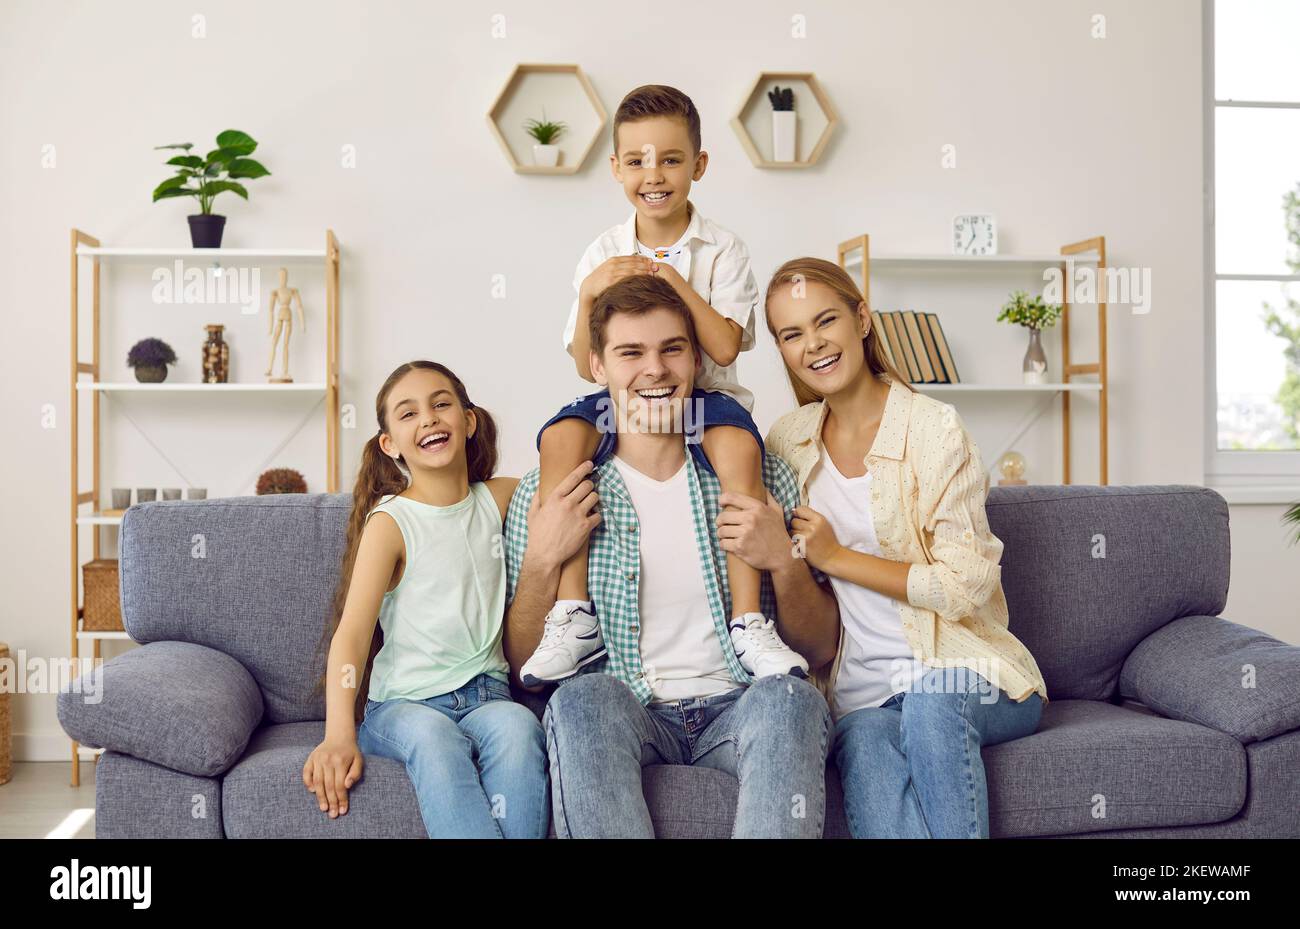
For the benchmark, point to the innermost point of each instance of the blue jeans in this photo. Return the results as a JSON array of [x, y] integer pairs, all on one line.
[[477, 760], [911, 768], [771, 736], [707, 408]]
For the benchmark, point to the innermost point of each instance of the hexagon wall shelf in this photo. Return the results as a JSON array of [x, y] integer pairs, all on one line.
[[816, 119], [566, 96]]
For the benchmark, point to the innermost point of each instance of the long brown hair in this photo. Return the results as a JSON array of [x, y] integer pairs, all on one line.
[[380, 475], [829, 274]]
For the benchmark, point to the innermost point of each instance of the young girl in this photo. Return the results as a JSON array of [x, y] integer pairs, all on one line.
[[925, 670], [428, 569]]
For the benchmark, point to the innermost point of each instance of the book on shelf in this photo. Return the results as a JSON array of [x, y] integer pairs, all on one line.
[[918, 347], [941, 345], [916, 344], [902, 347]]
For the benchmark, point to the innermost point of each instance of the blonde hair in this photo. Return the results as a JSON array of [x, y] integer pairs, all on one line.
[[802, 270]]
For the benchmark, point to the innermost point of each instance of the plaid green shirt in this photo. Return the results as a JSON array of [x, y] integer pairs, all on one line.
[[614, 562]]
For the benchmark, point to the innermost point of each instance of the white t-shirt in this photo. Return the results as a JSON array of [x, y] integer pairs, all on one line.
[[680, 652], [716, 265], [675, 254], [877, 662]]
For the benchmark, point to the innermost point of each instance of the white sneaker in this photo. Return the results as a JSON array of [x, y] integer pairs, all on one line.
[[571, 640], [760, 649]]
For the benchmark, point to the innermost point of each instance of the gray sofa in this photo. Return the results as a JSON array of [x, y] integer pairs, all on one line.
[[1165, 720]]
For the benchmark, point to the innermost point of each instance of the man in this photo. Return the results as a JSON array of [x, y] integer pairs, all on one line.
[[671, 688]]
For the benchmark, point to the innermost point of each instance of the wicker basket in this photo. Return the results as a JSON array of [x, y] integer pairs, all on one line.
[[6, 750], [102, 613]]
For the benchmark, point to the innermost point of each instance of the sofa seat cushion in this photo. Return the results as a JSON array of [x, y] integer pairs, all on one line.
[[1094, 767], [263, 796]]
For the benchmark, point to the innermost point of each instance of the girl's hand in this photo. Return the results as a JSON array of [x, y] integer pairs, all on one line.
[[755, 532], [331, 769], [814, 536]]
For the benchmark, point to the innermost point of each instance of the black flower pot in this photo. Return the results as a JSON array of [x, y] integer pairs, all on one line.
[[150, 374], [205, 231]]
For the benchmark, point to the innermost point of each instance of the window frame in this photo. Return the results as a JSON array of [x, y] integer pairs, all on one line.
[[1249, 476]]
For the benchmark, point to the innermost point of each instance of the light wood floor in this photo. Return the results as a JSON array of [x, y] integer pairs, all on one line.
[[38, 803]]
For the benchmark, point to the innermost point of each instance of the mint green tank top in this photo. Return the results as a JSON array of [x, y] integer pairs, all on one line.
[[442, 623]]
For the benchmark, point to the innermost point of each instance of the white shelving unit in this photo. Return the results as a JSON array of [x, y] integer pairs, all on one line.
[[86, 248], [856, 258]]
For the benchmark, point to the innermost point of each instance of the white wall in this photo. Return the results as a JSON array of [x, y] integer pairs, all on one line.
[[1063, 135]]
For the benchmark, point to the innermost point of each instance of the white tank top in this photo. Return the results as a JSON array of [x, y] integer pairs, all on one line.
[[877, 662], [442, 622]]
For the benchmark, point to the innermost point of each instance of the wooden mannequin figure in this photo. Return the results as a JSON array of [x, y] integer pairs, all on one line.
[[283, 300]]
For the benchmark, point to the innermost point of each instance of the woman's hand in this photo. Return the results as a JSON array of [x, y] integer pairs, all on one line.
[[814, 537], [331, 769], [755, 532], [559, 526]]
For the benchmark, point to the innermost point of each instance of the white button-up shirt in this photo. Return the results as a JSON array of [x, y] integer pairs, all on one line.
[[716, 265]]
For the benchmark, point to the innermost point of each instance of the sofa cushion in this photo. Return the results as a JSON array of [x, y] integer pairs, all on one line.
[[178, 705], [253, 577], [1093, 767], [1089, 572], [137, 799], [263, 795], [1206, 670]]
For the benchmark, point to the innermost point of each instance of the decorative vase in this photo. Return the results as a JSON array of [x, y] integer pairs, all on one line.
[[146, 494], [196, 493], [205, 230], [546, 156], [216, 356], [1035, 367], [784, 126], [150, 374], [121, 498]]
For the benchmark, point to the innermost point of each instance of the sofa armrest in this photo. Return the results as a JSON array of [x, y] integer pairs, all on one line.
[[186, 707], [1206, 670]]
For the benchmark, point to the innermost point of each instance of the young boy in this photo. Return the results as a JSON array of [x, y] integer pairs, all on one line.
[[656, 157]]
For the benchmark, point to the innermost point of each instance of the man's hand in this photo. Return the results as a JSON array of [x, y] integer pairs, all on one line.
[[755, 532], [558, 526], [814, 537], [613, 270]]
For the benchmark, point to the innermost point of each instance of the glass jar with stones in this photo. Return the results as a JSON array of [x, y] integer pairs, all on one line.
[[216, 356]]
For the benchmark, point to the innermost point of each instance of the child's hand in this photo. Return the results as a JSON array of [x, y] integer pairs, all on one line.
[[670, 274], [331, 769], [613, 270]]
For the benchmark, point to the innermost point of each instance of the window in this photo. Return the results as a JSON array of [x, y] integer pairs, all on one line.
[[1252, 158]]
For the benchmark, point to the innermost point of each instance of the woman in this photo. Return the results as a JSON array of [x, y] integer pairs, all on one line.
[[923, 669]]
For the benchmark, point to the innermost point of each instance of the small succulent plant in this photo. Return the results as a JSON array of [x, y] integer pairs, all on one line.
[[150, 353], [782, 99], [281, 481], [543, 130]]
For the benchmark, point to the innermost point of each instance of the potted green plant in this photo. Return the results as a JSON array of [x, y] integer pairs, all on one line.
[[784, 125], [1292, 516], [149, 359], [1035, 315], [546, 154], [204, 178]]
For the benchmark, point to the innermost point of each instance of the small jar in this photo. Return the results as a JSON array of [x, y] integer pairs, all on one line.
[[216, 356]]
